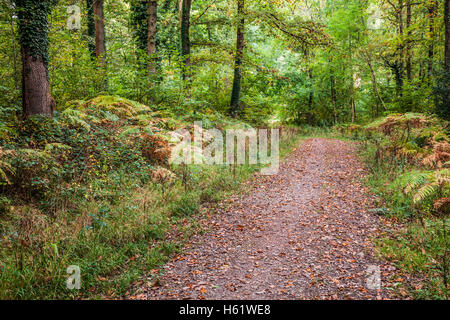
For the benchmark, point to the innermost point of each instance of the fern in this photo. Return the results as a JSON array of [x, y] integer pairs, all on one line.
[[77, 118], [5, 167], [425, 192], [415, 181], [433, 184]]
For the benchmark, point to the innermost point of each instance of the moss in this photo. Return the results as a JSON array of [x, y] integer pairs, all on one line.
[[120, 107]]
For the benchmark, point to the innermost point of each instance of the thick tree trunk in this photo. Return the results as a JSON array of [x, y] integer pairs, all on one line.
[[36, 98], [33, 30], [240, 43], [152, 31], [185, 12], [100, 48], [447, 33]]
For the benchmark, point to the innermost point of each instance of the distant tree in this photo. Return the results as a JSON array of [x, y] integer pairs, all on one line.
[[139, 22], [151, 34], [240, 43], [91, 27], [409, 40], [442, 89], [33, 36], [185, 17], [447, 33], [432, 15]]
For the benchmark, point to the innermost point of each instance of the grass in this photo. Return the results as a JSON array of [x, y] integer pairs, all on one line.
[[116, 230]]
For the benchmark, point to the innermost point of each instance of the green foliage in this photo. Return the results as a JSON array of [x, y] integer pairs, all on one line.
[[305, 63], [442, 94], [139, 21]]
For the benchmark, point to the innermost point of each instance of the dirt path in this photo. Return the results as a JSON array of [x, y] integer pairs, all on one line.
[[302, 234]]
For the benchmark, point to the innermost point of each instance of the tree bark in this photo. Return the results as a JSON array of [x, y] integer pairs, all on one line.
[[152, 31], [185, 12], [33, 30], [447, 33], [100, 48], [36, 97], [240, 43]]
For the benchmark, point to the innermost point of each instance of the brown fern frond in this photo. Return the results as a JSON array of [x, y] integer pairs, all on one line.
[[442, 206]]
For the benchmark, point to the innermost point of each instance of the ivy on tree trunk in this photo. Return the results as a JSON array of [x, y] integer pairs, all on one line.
[[33, 36]]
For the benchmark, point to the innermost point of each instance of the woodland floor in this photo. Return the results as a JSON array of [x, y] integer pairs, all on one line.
[[304, 233]]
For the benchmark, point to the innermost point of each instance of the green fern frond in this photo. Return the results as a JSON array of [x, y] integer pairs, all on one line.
[[425, 192], [415, 181], [77, 118], [5, 169]]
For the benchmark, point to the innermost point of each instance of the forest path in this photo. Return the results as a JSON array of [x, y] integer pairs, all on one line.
[[304, 233]]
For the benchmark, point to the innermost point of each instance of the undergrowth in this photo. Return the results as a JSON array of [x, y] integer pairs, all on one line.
[[92, 187], [408, 160]]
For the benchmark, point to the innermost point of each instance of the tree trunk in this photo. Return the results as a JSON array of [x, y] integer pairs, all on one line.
[[91, 27], [408, 41], [235, 95], [432, 13], [375, 85], [447, 33], [13, 37], [400, 64], [36, 97], [333, 97], [33, 31], [352, 89], [185, 8], [152, 31], [311, 89], [352, 103], [100, 49]]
